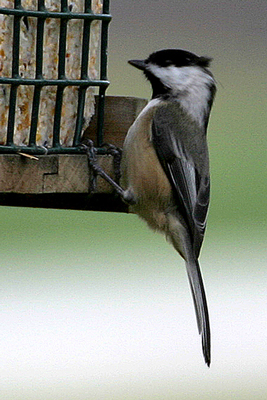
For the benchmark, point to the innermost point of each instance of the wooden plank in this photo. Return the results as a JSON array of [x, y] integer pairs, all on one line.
[[59, 173], [120, 113], [73, 175], [56, 181], [20, 174]]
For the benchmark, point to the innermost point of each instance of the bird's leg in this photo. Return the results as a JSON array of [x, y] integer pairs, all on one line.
[[116, 152], [97, 170], [91, 159]]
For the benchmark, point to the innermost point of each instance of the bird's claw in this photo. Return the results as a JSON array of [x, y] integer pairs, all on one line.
[[116, 152], [91, 152]]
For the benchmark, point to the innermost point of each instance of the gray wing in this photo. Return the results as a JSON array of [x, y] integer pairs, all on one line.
[[182, 150]]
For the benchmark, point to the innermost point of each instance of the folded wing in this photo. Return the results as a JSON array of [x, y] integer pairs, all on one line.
[[182, 150]]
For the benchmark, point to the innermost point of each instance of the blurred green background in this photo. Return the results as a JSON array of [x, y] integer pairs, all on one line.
[[95, 305]]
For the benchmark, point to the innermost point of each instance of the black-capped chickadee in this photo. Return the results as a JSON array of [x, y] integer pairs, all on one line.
[[165, 163]]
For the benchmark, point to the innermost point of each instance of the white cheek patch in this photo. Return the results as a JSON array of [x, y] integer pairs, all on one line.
[[191, 84]]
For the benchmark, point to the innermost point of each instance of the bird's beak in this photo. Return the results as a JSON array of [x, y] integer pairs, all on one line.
[[140, 64]]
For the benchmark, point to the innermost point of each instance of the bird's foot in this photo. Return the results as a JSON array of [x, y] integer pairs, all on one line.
[[91, 153], [116, 152]]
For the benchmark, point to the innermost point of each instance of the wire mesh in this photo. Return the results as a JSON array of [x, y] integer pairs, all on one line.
[[42, 85]]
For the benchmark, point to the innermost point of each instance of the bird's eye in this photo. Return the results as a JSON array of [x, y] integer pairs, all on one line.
[[167, 63]]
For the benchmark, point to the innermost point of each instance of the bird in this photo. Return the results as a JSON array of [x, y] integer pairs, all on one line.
[[165, 162]]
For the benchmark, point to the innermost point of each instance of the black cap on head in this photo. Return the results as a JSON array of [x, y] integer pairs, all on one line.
[[170, 58], [176, 57]]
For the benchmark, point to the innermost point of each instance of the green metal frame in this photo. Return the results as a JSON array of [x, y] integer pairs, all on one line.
[[62, 82]]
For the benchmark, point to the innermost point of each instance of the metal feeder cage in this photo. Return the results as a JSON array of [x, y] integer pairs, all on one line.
[[19, 19]]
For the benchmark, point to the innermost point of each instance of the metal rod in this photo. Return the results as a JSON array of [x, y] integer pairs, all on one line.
[[84, 75], [35, 114], [54, 14], [62, 42], [41, 150], [61, 74], [15, 74], [38, 74], [54, 82], [80, 116], [103, 75], [40, 43], [85, 43]]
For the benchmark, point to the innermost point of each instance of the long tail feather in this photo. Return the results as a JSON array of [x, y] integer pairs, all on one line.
[[201, 308]]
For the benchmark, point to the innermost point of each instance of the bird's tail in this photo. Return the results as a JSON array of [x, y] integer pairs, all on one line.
[[201, 308]]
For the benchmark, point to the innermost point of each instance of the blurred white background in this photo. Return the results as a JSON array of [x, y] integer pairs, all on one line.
[[103, 311]]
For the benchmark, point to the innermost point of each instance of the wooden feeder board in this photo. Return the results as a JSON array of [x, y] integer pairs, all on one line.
[[63, 180]]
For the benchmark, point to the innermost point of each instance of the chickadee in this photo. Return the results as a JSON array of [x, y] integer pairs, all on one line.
[[165, 163]]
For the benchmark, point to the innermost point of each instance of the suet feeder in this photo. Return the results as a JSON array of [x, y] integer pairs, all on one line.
[[53, 79]]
